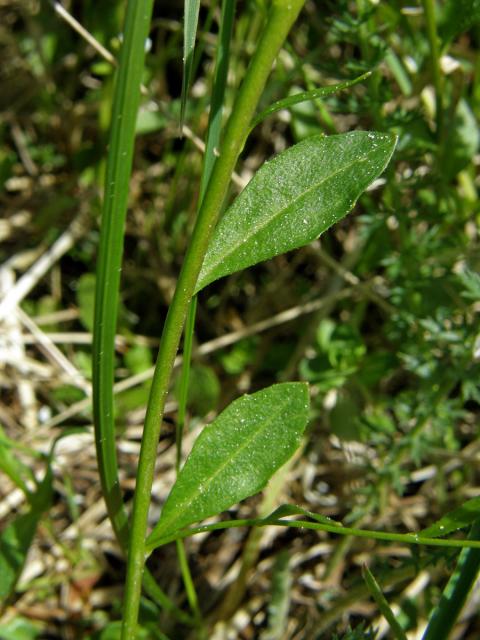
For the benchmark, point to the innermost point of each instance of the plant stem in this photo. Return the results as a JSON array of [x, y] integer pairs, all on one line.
[[371, 534], [212, 142], [429, 9], [283, 14], [184, 381]]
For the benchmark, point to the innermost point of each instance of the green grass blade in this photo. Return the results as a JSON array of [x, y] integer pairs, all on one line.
[[119, 164], [218, 91], [458, 16], [306, 96], [191, 11], [12, 467], [16, 538], [377, 595], [280, 598], [455, 593]]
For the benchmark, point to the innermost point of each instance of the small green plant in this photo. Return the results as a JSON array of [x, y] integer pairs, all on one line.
[[388, 362], [290, 201]]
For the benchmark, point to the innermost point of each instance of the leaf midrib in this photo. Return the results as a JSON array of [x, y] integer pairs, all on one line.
[[263, 224], [184, 505]]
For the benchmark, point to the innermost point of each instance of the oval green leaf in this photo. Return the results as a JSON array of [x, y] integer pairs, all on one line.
[[235, 456], [294, 198]]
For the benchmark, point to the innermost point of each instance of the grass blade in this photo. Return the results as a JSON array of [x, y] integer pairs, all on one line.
[[306, 96], [280, 598], [377, 595], [191, 11], [16, 538], [455, 593], [218, 92], [119, 164]]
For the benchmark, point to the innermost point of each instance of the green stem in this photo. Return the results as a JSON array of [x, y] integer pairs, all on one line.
[[119, 164], [371, 534], [281, 18], [184, 381], [182, 412], [213, 142], [429, 9], [189, 586], [453, 598]]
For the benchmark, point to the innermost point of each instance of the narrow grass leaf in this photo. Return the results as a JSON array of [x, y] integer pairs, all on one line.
[[218, 91], [377, 595], [294, 198], [17, 537], [458, 588], [191, 11], [307, 96], [457, 519], [279, 599], [12, 466], [235, 455], [119, 164], [459, 16]]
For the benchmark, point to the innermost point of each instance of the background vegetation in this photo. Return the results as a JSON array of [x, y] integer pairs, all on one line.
[[380, 317]]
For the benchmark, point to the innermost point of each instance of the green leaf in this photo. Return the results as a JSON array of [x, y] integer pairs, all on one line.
[[459, 16], [16, 538], [149, 121], [235, 455], [85, 295], [462, 141], [203, 390], [457, 519], [125, 104], [19, 629], [377, 594], [12, 466], [294, 198], [307, 96], [280, 596], [191, 11]]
